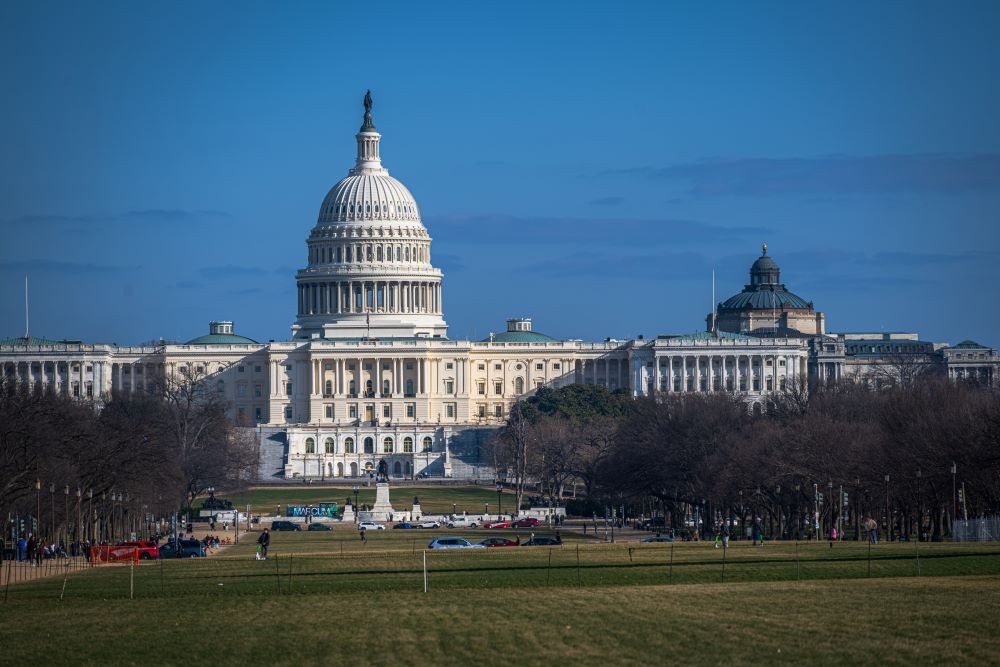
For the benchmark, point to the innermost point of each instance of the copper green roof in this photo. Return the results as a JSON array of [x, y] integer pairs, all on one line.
[[762, 299], [520, 337], [708, 335], [221, 339], [971, 344], [21, 341]]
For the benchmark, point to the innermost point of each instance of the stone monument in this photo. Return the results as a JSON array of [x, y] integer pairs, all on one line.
[[349, 515], [382, 510]]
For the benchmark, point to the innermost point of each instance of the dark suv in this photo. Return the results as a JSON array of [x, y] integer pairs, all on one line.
[[285, 525]]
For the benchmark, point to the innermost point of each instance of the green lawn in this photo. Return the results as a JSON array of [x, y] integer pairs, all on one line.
[[326, 598], [433, 499]]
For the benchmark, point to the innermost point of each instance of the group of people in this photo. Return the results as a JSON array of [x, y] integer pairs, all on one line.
[[34, 551]]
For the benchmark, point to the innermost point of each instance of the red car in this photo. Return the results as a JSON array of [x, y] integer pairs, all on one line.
[[499, 542], [498, 524], [147, 550], [527, 522]]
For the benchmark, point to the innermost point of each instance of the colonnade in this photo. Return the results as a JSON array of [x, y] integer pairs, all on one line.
[[377, 296], [737, 372]]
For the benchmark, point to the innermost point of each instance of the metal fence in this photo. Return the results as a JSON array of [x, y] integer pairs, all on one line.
[[986, 529]]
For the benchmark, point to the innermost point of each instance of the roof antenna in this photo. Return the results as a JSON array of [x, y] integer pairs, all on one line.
[[715, 315], [26, 307]]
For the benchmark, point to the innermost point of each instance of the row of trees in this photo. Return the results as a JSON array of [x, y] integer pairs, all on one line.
[[832, 455], [109, 465]]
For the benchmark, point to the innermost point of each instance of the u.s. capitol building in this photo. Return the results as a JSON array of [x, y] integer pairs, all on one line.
[[370, 373]]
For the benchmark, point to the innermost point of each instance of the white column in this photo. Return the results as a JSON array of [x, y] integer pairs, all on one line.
[[725, 377]]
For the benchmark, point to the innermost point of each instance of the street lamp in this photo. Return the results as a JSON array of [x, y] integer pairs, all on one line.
[[499, 490], [66, 515], [954, 499], [920, 506], [355, 499], [38, 506], [487, 509], [90, 515], [888, 513], [79, 514], [832, 505]]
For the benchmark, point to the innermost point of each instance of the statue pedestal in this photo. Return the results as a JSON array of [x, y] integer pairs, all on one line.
[[416, 513], [348, 514], [382, 509]]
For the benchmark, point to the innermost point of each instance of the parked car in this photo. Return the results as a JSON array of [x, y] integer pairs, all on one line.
[[499, 542], [542, 541], [453, 543], [370, 525], [284, 525], [188, 549], [658, 538], [429, 524], [527, 522], [404, 525], [462, 522], [147, 550], [319, 526], [498, 524]]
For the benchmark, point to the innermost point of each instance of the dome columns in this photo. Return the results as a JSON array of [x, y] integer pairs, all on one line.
[[346, 297]]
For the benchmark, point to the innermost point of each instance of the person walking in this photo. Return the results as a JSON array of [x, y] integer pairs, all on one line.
[[364, 538], [264, 541], [22, 548], [725, 536], [872, 527]]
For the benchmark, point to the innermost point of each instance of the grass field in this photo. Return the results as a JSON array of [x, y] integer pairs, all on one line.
[[325, 598], [433, 499]]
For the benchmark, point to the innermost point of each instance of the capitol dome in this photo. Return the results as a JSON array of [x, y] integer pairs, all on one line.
[[369, 272]]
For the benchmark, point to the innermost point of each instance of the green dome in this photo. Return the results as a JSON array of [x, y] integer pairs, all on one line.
[[520, 337], [221, 339]]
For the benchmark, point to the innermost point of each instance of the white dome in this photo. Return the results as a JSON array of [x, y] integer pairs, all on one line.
[[368, 195]]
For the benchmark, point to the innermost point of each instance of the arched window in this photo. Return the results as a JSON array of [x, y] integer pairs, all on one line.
[[406, 254], [399, 253], [397, 469], [369, 445], [428, 443], [310, 446], [329, 446], [408, 468], [349, 449], [519, 386], [354, 470], [368, 388], [328, 387], [408, 445], [409, 387], [340, 254], [385, 387], [340, 470], [220, 386], [352, 388], [378, 253], [387, 446]]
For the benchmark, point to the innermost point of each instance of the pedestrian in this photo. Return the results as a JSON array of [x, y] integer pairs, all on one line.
[[725, 536], [22, 548], [833, 536], [872, 527], [264, 541], [364, 538]]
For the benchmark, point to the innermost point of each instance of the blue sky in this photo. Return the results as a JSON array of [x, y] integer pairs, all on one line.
[[588, 165]]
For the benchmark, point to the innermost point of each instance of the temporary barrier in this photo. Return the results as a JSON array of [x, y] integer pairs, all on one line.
[[113, 554]]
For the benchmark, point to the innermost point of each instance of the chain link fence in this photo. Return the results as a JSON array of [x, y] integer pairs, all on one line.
[[986, 529]]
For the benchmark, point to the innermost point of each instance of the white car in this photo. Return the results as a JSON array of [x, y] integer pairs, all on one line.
[[429, 524], [462, 522], [370, 525]]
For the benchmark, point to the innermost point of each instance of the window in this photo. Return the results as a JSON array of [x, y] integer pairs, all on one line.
[[256, 369], [327, 367], [386, 389], [352, 411], [328, 388], [329, 412], [408, 445], [241, 390], [409, 388], [90, 390], [220, 386], [449, 365], [482, 410], [349, 445], [352, 388], [519, 386], [411, 410], [450, 410], [288, 389], [288, 412], [257, 390], [310, 446], [482, 388], [556, 366], [539, 367], [239, 369], [199, 369], [497, 367], [449, 386], [482, 367], [409, 366], [498, 411], [387, 446], [498, 387], [387, 410], [428, 443], [256, 414]]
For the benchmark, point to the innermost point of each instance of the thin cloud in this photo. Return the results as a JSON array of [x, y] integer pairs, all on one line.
[[833, 175], [231, 270], [666, 267], [53, 266], [148, 215], [608, 201]]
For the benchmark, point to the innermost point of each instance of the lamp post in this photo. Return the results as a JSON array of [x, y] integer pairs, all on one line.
[[90, 515], [38, 506], [66, 515], [954, 499], [888, 512], [499, 506], [355, 499], [832, 505], [920, 506], [79, 515], [52, 510]]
